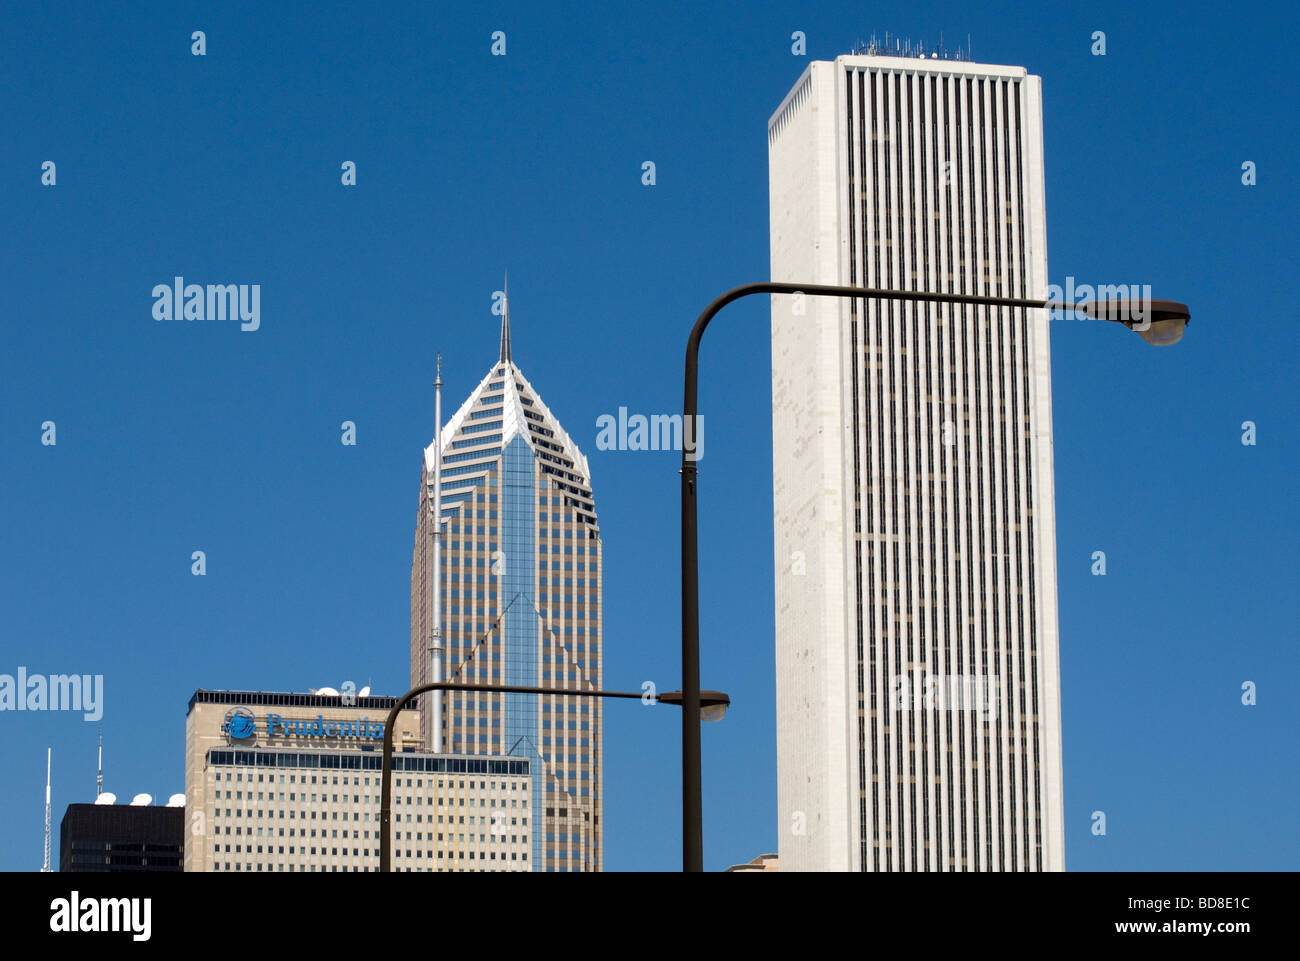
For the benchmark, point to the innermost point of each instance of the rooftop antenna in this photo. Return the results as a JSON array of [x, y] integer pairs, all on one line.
[[45, 867], [505, 321], [99, 778], [435, 579]]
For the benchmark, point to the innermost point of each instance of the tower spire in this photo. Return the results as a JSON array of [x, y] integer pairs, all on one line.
[[505, 321]]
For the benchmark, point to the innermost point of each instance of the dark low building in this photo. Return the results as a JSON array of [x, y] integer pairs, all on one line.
[[122, 837]]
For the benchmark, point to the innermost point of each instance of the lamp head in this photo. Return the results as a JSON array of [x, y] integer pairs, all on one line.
[[1160, 322], [713, 704]]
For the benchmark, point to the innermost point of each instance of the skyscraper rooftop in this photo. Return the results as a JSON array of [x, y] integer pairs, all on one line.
[[475, 435]]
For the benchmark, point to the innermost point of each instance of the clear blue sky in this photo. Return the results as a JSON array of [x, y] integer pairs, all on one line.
[[179, 436]]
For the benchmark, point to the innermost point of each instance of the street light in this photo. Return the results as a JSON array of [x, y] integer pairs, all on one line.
[[713, 704], [1162, 326], [717, 702], [1160, 322]]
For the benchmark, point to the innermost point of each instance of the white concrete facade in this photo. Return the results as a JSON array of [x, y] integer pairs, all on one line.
[[918, 689]]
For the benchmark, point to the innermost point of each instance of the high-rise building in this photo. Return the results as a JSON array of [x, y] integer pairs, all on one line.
[[918, 689], [521, 603], [122, 837], [287, 782]]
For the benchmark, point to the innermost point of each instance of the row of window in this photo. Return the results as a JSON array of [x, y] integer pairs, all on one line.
[[368, 762], [471, 469], [366, 853], [487, 456], [283, 700], [420, 782], [368, 799], [335, 868], [476, 441], [497, 818], [498, 834], [455, 560]]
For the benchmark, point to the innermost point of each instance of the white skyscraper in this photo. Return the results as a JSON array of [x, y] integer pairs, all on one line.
[[918, 686]]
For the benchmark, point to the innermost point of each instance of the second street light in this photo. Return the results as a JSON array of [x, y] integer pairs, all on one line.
[[1159, 322], [715, 704]]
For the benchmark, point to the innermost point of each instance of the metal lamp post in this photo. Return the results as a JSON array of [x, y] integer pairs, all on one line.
[[714, 700], [1160, 322]]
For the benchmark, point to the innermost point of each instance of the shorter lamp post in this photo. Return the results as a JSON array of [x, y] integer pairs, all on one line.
[[713, 706]]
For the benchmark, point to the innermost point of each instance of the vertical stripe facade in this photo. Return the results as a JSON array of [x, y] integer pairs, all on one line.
[[942, 589]]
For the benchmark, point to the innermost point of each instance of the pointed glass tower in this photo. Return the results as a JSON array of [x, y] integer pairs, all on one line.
[[521, 600]]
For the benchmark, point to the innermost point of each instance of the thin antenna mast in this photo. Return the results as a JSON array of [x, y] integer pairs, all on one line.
[[505, 321], [46, 865], [99, 778], [435, 579]]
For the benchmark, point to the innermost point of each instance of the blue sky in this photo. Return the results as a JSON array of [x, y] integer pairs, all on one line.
[[178, 436]]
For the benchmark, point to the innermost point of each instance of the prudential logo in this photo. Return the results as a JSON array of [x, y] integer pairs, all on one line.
[[240, 724]]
